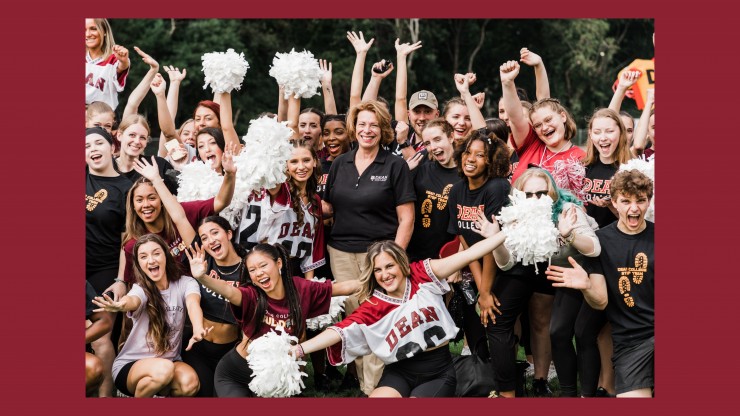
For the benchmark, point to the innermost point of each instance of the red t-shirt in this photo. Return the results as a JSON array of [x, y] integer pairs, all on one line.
[[534, 151], [194, 211], [315, 298]]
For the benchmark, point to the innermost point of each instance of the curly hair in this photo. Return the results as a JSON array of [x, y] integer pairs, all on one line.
[[497, 154], [630, 183]]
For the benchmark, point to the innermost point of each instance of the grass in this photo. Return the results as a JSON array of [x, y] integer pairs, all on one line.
[[455, 349]]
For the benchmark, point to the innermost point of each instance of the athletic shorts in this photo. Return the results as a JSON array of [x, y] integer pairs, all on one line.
[[429, 374], [634, 366]]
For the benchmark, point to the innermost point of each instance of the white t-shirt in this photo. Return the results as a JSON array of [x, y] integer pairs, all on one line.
[[137, 346], [102, 80]]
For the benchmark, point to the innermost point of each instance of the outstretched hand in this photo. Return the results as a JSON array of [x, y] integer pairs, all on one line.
[[107, 304], [227, 159], [403, 49], [488, 304], [574, 278], [147, 58], [174, 73], [197, 258], [508, 71], [146, 169], [567, 221], [326, 73], [358, 42], [414, 160], [198, 336], [482, 226]]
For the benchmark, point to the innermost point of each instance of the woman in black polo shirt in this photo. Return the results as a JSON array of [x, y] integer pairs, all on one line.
[[372, 198]]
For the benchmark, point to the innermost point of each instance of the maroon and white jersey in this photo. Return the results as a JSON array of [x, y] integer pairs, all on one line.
[[394, 329], [263, 222], [102, 80]]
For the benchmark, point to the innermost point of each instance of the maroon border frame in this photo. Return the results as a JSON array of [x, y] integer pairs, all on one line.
[[43, 248]]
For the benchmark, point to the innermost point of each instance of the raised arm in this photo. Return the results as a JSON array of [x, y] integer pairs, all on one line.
[[462, 83], [122, 55], [282, 113], [166, 125], [125, 304], [330, 106], [361, 48], [226, 191], [198, 269], [138, 94], [639, 139], [169, 202], [227, 121], [443, 268], [593, 286], [542, 84], [486, 228], [626, 81], [401, 106], [173, 94], [517, 122], [346, 288], [294, 112], [379, 71]]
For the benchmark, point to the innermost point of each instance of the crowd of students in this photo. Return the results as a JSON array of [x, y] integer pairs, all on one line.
[[373, 196]]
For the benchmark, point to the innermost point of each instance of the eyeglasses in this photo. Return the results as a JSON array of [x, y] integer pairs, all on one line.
[[537, 194]]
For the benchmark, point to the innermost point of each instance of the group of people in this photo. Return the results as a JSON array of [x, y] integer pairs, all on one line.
[[398, 212]]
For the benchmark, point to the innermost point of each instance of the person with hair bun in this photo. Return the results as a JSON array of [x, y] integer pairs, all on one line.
[[271, 298]]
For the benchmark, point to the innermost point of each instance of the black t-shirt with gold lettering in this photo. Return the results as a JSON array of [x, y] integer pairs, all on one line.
[[628, 264], [432, 184], [596, 184], [105, 220], [464, 205]]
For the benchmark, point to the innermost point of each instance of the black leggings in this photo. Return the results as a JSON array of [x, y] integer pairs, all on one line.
[[429, 374], [571, 315], [513, 292], [233, 376], [204, 357]]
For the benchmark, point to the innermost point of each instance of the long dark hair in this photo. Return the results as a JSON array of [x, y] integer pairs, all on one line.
[[238, 248], [276, 252], [135, 226], [159, 329], [312, 184]]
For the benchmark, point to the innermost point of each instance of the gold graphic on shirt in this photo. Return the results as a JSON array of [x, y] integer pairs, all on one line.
[[637, 273], [426, 209], [442, 200], [93, 201], [427, 206]]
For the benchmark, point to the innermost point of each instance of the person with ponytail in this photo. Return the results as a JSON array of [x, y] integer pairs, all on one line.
[[271, 298], [149, 363], [225, 261]]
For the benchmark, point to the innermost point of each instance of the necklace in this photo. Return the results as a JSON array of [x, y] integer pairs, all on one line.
[[223, 273], [552, 155]]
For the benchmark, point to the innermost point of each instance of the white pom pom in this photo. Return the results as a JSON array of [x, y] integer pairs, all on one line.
[[197, 182], [336, 308], [297, 72], [531, 236], [647, 167], [224, 71], [275, 372], [263, 161]]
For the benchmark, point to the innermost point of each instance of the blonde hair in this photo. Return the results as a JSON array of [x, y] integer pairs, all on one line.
[[368, 283], [537, 173], [381, 113], [622, 152], [554, 105], [132, 119], [107, 36]]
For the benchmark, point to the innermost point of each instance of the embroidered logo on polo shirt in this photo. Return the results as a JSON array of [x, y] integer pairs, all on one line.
[[378, 178]]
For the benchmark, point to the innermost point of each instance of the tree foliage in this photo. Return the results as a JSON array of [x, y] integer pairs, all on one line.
[[582, 56]]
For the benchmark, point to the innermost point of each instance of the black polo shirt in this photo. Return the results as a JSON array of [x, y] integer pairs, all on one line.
[[365, 206]]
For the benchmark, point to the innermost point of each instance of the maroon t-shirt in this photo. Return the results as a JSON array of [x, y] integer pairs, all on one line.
[[315, 298], [194, 211]]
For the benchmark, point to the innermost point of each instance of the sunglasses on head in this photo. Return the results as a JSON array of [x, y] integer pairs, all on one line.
[[537, 194]]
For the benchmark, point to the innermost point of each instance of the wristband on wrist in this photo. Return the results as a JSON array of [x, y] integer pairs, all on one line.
[[404, 145], [119, 280], [299, 351], [570, 237]]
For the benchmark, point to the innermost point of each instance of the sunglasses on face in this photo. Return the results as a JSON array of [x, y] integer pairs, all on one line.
[[537, 194]]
